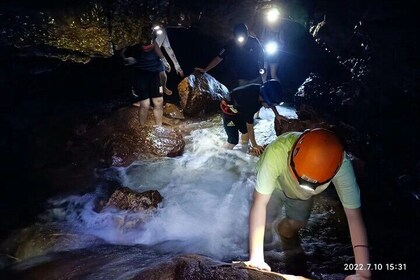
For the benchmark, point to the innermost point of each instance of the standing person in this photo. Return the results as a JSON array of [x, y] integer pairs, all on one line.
[[273, 42], [163, 40], [239, 108], [245, 54], [301, 165], [146, 61]]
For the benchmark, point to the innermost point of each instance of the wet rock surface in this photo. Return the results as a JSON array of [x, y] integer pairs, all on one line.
[[372, 40], [173, 111], [200, 93], [126, 199], [175, 268], [42, 239], [123, 140]]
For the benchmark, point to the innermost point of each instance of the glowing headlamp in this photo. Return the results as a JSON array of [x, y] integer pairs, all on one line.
[[240, 38], [271, 48], [273, 15], [157, 30]]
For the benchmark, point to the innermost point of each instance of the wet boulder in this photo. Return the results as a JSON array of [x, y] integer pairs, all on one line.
[[173, 112], [134, 208], [307, 119], [203, 268], [200, 93], [41, 239], [111, 263], [126, 199], [122, 139]]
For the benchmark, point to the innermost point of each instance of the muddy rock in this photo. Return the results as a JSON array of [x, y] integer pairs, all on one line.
[[200, 93]]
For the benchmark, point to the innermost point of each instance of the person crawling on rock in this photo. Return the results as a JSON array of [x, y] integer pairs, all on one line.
[[296, 167], [239, 108], [146, 60]]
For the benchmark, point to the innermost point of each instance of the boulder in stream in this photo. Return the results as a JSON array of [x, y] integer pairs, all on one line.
[[200, 93], [122, 139], [127, 199]]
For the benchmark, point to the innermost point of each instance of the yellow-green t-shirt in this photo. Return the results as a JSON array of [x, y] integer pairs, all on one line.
[[273, 172]]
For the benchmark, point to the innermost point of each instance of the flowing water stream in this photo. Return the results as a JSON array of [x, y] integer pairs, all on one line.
[[207, 195]]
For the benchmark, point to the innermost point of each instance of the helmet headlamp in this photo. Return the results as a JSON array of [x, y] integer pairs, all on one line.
[[273, 15]]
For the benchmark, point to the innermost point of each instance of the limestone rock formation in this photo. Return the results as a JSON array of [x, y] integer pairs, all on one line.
[[200, 93]]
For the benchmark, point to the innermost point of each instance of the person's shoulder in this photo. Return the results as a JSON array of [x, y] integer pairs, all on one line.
[[254, 39], [287, 139]]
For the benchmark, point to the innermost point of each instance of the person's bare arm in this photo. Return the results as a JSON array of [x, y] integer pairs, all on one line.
[[172, 56], [213, 63], [278, 117], [360, 243], [162, 58], [256, 149], [257, 219], [127, 60]]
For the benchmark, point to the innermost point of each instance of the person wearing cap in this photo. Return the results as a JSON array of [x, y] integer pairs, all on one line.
[[239, 108], [145, 60], [162, 40], [300, 166], [245, 54]]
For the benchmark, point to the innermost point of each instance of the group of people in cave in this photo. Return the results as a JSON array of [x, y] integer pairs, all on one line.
[[292, 169]]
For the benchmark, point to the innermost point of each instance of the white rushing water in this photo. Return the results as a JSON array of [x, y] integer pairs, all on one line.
[[206, 197]]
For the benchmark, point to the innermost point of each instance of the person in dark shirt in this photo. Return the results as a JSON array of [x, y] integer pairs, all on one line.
[[146, 60], [245, 55], [239, 108]]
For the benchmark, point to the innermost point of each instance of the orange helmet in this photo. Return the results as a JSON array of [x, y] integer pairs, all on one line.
[[316, 157]]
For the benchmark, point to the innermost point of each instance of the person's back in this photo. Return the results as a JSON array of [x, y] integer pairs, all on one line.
[[245, 60], [245, 55], [247, 99], [146, 58]]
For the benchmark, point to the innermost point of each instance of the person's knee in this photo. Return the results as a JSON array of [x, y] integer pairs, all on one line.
[[158, 103], [145, 104], [289, 228]]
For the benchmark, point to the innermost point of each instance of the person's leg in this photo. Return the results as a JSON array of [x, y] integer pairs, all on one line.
[[231, 131], [273, 71], [158, 110], [144, 110], [244, 139], [297, 213], [155, 90], [244, 134], [288, 228], [163, 80]]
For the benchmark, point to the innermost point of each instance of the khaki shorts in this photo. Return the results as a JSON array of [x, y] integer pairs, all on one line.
[[296, 209]]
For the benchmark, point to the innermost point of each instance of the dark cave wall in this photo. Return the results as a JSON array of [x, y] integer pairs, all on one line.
[[60, 68]]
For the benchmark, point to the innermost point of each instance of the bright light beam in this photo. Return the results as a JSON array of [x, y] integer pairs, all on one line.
[[271, 48], [273, 15]]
